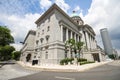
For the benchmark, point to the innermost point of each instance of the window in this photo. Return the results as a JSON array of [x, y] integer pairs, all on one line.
[[34, 56], [41, 40], [37, 42], [42, 31], [77, 22], [47, 37], [48, 28]]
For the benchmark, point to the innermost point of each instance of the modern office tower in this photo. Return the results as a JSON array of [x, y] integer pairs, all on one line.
[[106, 41]]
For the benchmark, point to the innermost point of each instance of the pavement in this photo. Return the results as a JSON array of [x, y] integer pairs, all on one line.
[[9, 71], [64, 68]]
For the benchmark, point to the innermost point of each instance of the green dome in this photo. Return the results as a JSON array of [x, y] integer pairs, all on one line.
[[74, 14]]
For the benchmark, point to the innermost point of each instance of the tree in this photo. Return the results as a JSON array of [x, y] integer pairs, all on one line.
[[6, 52], [74, 46], [112, 56], [79, 47], [70, 44], [5, 36], [16, 55], [5, 40]]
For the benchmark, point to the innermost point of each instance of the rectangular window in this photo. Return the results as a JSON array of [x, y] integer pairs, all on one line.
[[37, 42], [42, 32], [41, 40], [48, 28]]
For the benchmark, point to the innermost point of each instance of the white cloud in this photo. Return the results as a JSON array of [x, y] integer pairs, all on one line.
[[19, 25], [45, 4], [105, 13], [17, 46], [62, 5], [77, 8]]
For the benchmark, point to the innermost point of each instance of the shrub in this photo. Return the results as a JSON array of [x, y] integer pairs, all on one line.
[[66, 60], [112, 56], [81, 59], [86, 62]]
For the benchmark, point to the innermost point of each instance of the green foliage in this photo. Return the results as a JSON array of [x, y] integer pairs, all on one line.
[[16, 55], [79, 45], [70, 42], [6, 52], [74, 46], [5, 36], [66, 61], [112, 56], [86, 62], [81, 59], [5, 39]]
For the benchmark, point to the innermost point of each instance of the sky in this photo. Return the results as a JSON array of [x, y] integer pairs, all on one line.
[[20, 16]]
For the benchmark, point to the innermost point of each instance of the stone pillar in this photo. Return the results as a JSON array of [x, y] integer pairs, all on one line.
[[66, 34], [100, 56], [90, 41], [92, 46], [61, 33], [87, 40], [95, 44]]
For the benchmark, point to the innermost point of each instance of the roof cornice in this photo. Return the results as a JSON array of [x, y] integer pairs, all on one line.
[[54, 6]]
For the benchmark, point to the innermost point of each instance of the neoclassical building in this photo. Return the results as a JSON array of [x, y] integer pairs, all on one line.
[[46, 45]]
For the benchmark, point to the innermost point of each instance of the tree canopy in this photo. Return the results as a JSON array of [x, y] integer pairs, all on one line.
[[73, 45], [16, 55], [5, 36], [5, 40], [6, 52]]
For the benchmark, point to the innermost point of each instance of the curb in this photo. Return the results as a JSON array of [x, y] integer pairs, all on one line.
[[76, 69]]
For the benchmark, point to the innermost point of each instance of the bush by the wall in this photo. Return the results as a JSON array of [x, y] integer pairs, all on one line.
[[81, 59], [86, 62], [66, 61]]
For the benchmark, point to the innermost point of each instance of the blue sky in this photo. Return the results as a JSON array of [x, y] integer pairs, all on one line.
[[20, 15], [21, 7]]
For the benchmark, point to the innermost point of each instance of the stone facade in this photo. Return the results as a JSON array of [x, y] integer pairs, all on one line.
[[54, 27]]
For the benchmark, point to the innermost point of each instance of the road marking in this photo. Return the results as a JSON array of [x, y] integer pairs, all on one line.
[[64, 78]]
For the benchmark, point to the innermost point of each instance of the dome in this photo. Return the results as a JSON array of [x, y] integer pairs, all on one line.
[[76, 18], [74, 14]]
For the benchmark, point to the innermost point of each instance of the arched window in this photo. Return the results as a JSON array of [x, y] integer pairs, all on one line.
[[28, 57], [47, 37], [46, 55]]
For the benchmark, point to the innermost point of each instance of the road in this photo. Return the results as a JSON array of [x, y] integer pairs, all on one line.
[[110, 71]]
